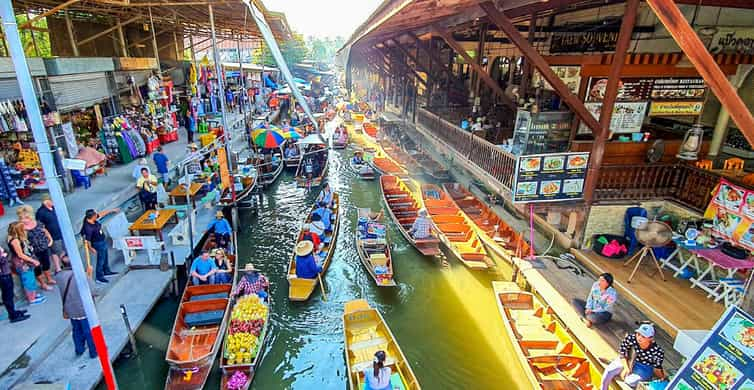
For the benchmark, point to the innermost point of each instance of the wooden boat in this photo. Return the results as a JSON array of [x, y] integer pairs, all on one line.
[[229, 367], [457, 234], [339, 144], [374, 252], [399, 156], [357, 169], [386, 166], [198, 329], [500, 239], [244, 186], [300, 289], [268, 177], [547, 352], [403, 206], [431, 168], [292, 162], [365, 333], [370, 131], [303, 181]]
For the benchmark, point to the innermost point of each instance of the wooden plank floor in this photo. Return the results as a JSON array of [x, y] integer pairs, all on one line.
[[672, 304]]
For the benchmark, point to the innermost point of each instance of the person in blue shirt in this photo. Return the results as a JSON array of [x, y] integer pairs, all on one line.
[[221, 227], [306, 266], [326, 196], [161, 161], [203, 270], [325, 215]]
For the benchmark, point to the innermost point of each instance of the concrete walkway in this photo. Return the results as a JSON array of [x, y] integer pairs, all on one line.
[[27, 344]]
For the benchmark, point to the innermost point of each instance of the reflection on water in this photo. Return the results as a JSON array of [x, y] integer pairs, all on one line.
[[445, 319]]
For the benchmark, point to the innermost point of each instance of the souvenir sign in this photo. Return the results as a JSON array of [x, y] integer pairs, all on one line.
[[724, 360], [732, 213], [553, 177]]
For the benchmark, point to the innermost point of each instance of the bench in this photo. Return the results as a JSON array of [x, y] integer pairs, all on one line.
[[214, 317]]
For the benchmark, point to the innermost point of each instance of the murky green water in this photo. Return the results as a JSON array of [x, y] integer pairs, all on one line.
[[444, 319]]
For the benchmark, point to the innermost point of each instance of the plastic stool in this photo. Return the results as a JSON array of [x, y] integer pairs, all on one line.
[[80, 179]]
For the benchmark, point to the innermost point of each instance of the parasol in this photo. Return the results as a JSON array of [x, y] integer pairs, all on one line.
[[268, 139], [313, 139], [291, 135]]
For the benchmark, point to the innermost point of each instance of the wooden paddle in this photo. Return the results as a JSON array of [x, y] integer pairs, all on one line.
[[322, 287], [88, 260]]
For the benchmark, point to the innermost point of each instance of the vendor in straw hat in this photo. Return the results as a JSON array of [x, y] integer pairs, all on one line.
[[306, 266], [223, 274], [252, 282], [358, 157], [221, 228]]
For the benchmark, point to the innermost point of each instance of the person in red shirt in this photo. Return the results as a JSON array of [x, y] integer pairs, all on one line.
[[311, 236]]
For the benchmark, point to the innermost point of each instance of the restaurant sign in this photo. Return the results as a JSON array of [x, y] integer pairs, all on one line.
[[633, 89], [627, 116], [732, 213], [579, 42], [725, 358], [553, 177], [732, 40], [676, 108]]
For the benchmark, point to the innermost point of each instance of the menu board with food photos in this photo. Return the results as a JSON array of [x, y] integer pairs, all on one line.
[[553, 177], [732, 213], [725, 358]]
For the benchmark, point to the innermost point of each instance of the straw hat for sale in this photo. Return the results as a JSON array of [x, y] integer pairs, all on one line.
[[304, 248], [249, 268]]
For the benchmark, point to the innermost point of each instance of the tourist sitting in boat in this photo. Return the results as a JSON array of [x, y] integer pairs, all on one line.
[[309, 168], [252, 282], [422, 227], [357, 158], [318, 228], [223, 273], [342, 137], [203, 270], [647, 361], [326, 196], [378, 377], [221, 228], [325, 214], [291, 151], [598, 307], [306, 265]]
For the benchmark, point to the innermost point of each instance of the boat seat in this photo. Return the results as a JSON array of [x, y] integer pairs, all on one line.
[[213, 317], [204, 297], [369, 343], [361, 366]]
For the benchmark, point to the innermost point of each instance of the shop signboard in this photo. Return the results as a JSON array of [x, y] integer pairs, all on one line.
[[552, 177], [732, 40], [627, 116], [676, 108], [725, 358], [641, 89], [570, 75], [732, 213], [583, 41]]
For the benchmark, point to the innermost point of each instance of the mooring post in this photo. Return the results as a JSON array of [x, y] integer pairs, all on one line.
[[131, 337]]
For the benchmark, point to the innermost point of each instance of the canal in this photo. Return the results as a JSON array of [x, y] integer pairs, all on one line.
[[444, 318]]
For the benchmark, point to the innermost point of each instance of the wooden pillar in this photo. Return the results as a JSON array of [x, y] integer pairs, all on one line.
[[71, 36], [611, 93], [430, 76], [672, 18], [479, 54], [723, 117], [122, 39], [154, 42], [528, 70]]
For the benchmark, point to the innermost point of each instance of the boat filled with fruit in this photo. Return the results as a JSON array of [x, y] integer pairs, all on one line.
[[244, 341]]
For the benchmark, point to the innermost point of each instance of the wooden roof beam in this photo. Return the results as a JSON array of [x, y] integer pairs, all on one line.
[[405, 52], [47, 13], [405, 67], [444, 34], [147, 38], [107, 31], [542, 66], [686, 38], [430, 54]]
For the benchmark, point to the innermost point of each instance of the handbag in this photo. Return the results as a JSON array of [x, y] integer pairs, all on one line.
[[65, 295]]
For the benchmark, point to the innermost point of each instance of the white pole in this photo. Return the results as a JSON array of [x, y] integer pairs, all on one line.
[[48, 166]]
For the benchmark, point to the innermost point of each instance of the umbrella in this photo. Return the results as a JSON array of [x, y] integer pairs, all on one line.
[[291, 135], [268, 139], [313, 139]]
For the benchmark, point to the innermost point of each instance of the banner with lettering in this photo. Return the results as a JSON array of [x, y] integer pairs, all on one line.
[[724, 360], [732, 213], [222, 160]]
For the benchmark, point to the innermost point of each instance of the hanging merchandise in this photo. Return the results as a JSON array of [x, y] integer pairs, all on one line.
[[8, 189]]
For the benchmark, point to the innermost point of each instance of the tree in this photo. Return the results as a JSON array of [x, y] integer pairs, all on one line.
[[293, 50], [324, 49], [41, 38]]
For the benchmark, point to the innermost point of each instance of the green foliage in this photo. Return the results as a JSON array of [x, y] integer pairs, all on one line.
[[324, 49], [42, 38], [294, 51]]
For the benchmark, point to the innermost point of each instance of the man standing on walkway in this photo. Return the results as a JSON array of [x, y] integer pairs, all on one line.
[[73, 309], [162, 161], [95, 238], [46, 215]]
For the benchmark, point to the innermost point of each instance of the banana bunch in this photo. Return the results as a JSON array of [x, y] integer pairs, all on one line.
[[249, 308], [241, 348]]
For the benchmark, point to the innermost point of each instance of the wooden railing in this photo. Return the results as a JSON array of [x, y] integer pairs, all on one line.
[[493, 160], [682, 183]]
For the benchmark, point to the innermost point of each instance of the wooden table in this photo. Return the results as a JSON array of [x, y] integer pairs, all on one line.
[[145, 223], [180, 192]]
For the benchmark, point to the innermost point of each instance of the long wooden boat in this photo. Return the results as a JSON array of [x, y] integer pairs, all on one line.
[[550, 357], [244, 186], [365, 333], [403, 207], [269, 177], [230, 361], [300, 289], [456, 234], [357, 169], [431, 168], [374, 252], [370, 131], [386, 166], [498, 237], [198, 329], [303, 181], [399, 156]]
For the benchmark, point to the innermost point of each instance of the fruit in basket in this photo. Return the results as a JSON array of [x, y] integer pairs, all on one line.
[[241, 348], [249, 308]]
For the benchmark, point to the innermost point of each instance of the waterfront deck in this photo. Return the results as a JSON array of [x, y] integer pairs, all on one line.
[[673, 305]]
